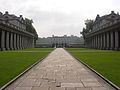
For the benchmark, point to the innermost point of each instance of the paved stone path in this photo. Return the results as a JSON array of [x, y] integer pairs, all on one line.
[[59, 71]]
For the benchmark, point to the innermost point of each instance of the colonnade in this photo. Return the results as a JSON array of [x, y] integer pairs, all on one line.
[[12, 40], [109, 40]]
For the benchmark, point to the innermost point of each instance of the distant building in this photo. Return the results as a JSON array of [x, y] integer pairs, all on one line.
[[60, 41], [105, 33], [16, 32]]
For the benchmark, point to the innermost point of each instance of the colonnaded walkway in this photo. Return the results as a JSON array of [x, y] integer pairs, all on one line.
[[59, 71]]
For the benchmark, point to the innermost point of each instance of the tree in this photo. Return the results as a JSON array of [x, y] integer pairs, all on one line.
[[83, 32], [88, 28], [89, 25]]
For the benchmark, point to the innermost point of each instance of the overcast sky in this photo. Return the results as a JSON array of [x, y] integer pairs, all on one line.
[[59, 17]]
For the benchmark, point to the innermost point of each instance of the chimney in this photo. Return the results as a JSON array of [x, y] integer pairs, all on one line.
[[117, 13], [6, 12], [112, 12], [1, 14], [97, 17], [20, 15]]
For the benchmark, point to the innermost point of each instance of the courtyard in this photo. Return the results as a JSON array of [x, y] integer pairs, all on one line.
[[59, 70]]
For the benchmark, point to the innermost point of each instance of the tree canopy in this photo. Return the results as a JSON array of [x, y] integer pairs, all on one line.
[[88, 27]]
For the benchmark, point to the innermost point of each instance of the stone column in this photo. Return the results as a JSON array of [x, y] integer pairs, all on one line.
[[108, 44], [25, 42], [101, 41], [116, 40], [2, 40], [98, 42], [112, 40], [104, 41], [17, 37], [14, 40], [28, 42], [21, 42], [23, 46], [33, 42], [11, 41], [91, 43], [20, 46], [94, 42], [7, 41]]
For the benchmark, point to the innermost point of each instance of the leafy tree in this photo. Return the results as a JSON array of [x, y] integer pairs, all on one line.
[[88, 27]]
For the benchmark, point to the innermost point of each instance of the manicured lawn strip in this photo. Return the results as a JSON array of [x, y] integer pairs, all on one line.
[[13, 63], [86, 50], [36, 49], [106, 63]]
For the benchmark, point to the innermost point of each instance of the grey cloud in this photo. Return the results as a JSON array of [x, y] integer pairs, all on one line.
[[55, 22]]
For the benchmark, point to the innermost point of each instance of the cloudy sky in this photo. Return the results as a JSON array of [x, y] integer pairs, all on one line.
[[59, 17]]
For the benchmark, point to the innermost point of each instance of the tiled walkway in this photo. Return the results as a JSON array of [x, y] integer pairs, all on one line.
[[59, 71]]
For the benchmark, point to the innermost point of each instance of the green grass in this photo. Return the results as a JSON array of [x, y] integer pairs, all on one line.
[[35, 49], [105, 62], [13, 63]]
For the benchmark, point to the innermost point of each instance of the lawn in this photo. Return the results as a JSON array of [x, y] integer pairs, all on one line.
[[105, 62], [13, 63]]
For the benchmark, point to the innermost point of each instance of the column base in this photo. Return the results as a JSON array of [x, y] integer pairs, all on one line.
[[7, 48], [11, 49], [107, 48], [101, 48], [14, 48], [116, 48], [3, 49], [20, 48], [104, 48], [111, 48]]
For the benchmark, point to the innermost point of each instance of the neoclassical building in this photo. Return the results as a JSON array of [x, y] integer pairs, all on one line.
[[16, 32], [105, 33], [60, 41]]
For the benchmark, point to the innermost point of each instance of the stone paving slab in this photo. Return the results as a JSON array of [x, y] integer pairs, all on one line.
[[59, 71]]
